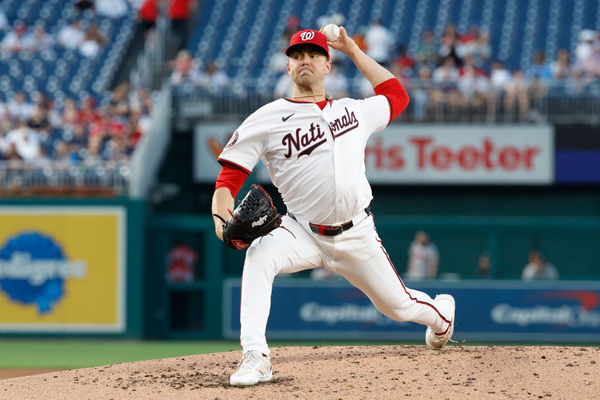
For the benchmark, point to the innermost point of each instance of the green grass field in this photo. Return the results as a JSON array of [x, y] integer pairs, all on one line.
[[68, 354], [47, 353]]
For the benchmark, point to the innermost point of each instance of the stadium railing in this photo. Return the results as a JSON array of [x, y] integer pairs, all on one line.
[[556, 107]]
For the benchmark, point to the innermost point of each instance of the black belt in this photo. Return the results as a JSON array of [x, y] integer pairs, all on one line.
[[333, 230]]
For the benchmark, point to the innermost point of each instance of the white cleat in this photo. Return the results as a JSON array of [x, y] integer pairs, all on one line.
[[254, 367], [447, 307]]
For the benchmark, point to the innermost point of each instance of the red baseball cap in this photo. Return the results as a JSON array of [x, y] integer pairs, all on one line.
[[308, 36]]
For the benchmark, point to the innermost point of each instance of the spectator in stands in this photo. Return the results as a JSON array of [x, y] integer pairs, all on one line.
[[446, 74], [585, 47], [284, 88], [538, 75], [4, 25], [88, 113], [538, 268], [38, 120], [38, 40], [484, 266], [499, 76], [148, 13], [111, 8], [560, 68], [427, 53], [93, 41], [14, 41], [449, 46], [183, 67], [359, 38], [499, 79], [483, 48], [380, 43], [117, 148], [102, 128], [278, 61], [423, 258], [24, 142], [587, 65], [19, 108], [62, 154], [5, 119], [93, 156], [473, 83], [446, 94], [138, 126], [71, 36], [405, 61], [466, 44], [292, 26], [336, 83], [420, 92], [70, 113], [119, 102], [140, 99], [77, 142], [214, 79], [516, 93], [179, 13]]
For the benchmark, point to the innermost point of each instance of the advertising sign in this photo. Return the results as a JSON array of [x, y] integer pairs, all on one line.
[[461, 154], [424, 154], [485, 310], [62, 269]]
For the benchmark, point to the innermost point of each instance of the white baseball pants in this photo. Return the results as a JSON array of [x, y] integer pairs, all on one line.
[[357, 254]]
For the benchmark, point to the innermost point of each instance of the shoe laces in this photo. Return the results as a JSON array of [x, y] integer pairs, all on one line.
[[250, 360]]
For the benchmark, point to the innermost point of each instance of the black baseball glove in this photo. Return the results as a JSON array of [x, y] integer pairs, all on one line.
[[254, 217]]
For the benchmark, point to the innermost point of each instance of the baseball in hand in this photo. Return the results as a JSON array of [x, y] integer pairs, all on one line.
[[332, 32]]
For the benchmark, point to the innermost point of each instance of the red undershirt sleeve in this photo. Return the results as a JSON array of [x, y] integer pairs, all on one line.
[[232, 178], [393, 90]]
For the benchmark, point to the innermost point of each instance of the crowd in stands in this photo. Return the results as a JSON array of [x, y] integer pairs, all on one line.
[[77, 132], [82, 34], [36, 128], [453, 73]]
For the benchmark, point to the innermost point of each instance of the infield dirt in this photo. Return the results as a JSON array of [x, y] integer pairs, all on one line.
[[353, 372]]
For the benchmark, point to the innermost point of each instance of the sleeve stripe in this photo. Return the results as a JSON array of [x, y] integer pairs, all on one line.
[[391, 109], [234, 165]]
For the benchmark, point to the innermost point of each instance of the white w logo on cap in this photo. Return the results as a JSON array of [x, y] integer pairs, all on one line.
[[307, 35]]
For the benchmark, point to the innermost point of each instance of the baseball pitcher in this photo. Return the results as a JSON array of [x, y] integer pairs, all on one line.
[[314, 149]]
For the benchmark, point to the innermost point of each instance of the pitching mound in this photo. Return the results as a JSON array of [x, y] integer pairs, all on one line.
[[353, 372]]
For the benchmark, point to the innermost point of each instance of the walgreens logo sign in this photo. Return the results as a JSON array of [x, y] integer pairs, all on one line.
[[461, 155]]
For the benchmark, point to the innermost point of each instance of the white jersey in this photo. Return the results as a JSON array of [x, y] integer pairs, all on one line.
[[312, 154]]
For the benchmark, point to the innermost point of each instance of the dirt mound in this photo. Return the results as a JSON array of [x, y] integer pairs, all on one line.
[[353, 372]]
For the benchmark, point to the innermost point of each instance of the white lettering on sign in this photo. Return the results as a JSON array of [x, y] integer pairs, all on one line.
[[36, 272], [569, 316], [315, 312]]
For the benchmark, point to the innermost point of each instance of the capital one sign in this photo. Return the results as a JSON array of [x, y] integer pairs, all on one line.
[[461, 154]]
